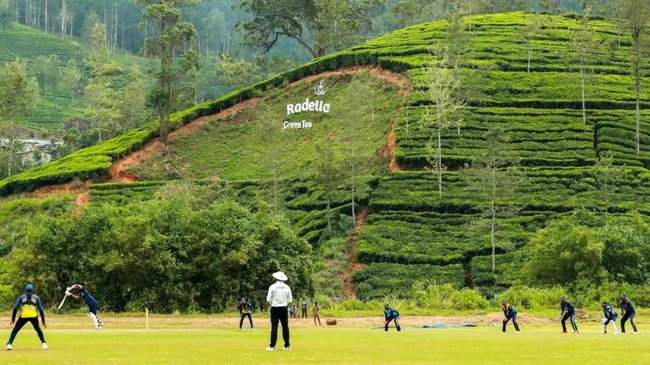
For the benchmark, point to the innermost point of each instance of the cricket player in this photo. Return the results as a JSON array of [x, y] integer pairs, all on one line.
[[510, 313], [568, 311], [628, 313], [391, 314], [245, 310], [610, 316], [28, 303], [91, 302]]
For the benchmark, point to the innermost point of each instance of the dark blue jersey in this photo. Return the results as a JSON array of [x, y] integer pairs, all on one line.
[[509, 311], [390, 314], [83, 293], [627, 307], [610, 313], [567, 307]]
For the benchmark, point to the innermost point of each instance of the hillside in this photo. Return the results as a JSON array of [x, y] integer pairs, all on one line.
[[411, 234], [27, 43]]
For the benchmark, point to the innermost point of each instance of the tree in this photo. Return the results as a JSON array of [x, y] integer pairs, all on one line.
[[174, 37], [627, 249], [18, 96], [565, 252], [583, 45], [307, 22], [550, 6], [607, 177], [71, 76], [494, 176], [637, 15], [236, 74], [529, 34], [410, 10], [273, 148], [6, 14], [444, 110], [328, 174], [469, 8], [357, 109]]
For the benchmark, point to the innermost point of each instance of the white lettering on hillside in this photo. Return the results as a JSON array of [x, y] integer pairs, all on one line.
[[308, 106], [297, 125]]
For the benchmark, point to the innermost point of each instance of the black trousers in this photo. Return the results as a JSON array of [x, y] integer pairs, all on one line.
[[244, 315], [624, 319], [19, 325], [514, 322], [279, 314]]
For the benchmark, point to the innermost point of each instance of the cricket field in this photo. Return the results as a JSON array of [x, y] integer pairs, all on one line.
[[217, 340]]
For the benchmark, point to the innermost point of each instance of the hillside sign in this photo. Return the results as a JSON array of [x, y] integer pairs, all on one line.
[[308, 106]]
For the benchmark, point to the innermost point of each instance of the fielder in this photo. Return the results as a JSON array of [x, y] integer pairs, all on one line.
[[28, 303], [568, 311], [628, 313], [610, 316], [391, 314], [91, 302], [510, 313]]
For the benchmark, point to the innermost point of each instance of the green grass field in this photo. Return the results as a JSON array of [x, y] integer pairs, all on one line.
[[209, 340]]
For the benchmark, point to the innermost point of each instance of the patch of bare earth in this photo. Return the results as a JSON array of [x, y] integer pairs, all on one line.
[[351, 250], [121, 170]]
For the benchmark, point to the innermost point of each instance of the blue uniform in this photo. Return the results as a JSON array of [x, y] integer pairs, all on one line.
[[510, 313], [569, 312], [628, 313], [391, 314], [610, 313], [90, 301]]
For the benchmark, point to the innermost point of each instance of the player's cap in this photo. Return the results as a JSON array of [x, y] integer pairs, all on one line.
[[623, 295], [29, 287]]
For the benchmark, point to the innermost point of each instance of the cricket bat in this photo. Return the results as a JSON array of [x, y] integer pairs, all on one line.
[[63, 301], [67, 293]]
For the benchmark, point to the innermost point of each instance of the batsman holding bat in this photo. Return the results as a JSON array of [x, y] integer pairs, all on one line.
[[90, 301]]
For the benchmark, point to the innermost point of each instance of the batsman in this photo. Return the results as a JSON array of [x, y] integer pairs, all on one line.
[[90, 301]]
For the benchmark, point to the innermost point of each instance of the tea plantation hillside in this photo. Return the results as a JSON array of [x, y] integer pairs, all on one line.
[[412, 233]]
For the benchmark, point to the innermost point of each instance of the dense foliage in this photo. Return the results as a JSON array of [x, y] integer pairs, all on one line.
[[189, 248]]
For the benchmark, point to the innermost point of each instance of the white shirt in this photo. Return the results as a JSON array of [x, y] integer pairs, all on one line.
[[279, 294]]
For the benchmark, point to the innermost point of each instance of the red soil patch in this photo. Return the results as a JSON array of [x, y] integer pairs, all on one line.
[[351, 250], [120, 171], [389, 152]]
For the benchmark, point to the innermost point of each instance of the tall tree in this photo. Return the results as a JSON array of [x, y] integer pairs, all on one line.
[[71, 76], [173, 37], [445, 109], [6, 14], [550, 6], [583, 47], [18, 96], [357, 109], [607, 177], [529, 34], [494, 176], [637, 15], [307, 22]]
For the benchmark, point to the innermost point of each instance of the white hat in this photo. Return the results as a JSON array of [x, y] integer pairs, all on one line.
[[280, 276]]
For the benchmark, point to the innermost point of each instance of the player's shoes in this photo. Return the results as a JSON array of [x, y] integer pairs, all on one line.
[[44, 346], [270, 348], [576, 332], [8, 347], [287, 348], [635, 333]]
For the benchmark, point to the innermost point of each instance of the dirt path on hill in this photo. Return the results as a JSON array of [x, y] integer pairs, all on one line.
[[120, 171], [351, 251], [389, 152]]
